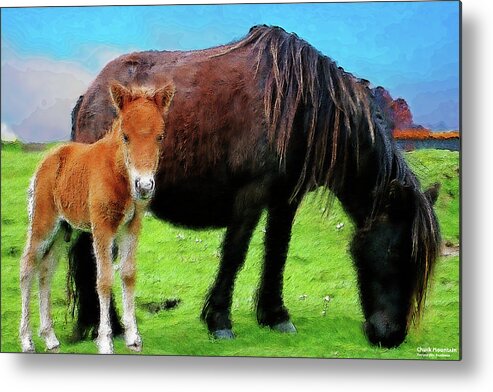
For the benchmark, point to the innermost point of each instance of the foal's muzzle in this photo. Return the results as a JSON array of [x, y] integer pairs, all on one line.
[[144, 187]]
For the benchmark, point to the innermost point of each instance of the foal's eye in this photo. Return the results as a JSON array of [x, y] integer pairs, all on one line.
[[160, 138], [125, 138]]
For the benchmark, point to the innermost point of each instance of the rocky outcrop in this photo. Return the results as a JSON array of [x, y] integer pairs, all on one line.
[[396, 110]]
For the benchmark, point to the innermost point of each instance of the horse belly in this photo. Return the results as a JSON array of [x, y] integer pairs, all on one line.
[[195, 204], [75, 215]]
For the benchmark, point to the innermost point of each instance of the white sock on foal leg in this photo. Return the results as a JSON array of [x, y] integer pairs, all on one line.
[[127, 270], [104, 283], [104, 339], [46, 271], [26, 278]]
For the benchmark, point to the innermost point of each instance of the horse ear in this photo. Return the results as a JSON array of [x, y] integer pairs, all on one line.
[[164, 95], [432, 193], [119, 95], [399, 198], [398, 192]]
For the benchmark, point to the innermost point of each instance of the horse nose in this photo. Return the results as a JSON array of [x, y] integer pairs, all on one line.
[[144, 185], [381, 330]]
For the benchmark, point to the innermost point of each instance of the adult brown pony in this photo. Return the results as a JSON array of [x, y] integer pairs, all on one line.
[[255, 125], [102, 188]]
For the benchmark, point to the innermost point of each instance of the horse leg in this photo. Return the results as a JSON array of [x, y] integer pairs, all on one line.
[[46, 270], [270, 307], [82, 269], [217, 308], [39, 242], [27, 271], [103, 242], [127, 248]]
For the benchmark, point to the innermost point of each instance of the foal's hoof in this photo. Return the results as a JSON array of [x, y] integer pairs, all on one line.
[[136, 345], [284, 327], [105, 346], [28, 346], [53, 347], [53, 350], [51, 342], [223, 334]]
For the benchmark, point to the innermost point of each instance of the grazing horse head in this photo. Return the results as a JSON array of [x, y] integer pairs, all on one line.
[[139, 129], [394, 261]]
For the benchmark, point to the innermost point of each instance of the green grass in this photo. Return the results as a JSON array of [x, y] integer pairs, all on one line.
[[178, 263]]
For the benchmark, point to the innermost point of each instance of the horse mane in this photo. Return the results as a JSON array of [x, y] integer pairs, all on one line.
[[337, 111], [303, 82]]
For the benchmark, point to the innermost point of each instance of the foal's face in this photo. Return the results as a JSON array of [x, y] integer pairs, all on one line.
[[141, 133]]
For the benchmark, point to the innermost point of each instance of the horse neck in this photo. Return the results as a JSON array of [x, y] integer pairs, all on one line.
[[361, 181]]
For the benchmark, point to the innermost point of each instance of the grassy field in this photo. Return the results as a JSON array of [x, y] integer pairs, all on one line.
[[181, 264]]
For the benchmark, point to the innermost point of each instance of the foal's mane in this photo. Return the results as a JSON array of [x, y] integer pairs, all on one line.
[[136, 91], [339, 116]]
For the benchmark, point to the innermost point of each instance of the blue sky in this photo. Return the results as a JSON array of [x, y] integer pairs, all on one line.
[[50, 55]]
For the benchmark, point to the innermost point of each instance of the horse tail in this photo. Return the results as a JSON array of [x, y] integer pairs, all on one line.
[[81, 284]]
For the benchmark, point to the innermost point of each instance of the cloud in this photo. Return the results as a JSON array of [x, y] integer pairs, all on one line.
[[47, 124], [7, 134], [96, 57], [38, 93]]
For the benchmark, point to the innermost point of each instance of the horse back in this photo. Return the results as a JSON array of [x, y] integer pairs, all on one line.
[[217, 111]]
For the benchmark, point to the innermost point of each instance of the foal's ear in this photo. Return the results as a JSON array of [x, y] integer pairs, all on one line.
[[119, 95], [164, 95], [432, 193]]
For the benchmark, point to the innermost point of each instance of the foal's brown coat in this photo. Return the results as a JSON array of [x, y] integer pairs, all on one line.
[[103, 188]]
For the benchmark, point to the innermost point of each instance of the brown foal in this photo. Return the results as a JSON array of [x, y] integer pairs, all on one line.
[[103, 188]]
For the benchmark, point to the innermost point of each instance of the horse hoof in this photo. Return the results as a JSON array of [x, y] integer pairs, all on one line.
[[53, 350], [223, 334], [105, 350], [52, 343], [284, 327], [104, 346], [53, 347], [28, 346], [136, 345]]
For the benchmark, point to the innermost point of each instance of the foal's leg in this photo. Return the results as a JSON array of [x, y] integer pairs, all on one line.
[[41, 232], [28, 269], [103, 242], [127, 248], [46, 270], [216, 312], [270, 307]]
